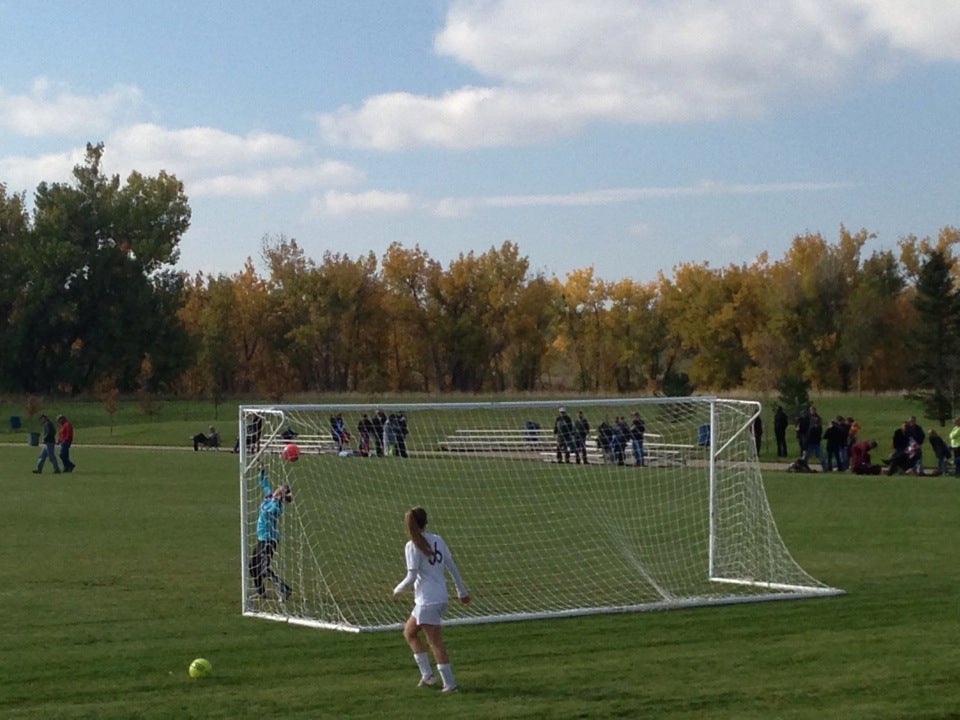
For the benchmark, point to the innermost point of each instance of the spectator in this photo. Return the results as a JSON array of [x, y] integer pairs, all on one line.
[[606, 441], [955, 445], [621, 434], [903, 457], [565, 435], [390, 432], [637, 430], [379, 420], [365, 430], [843, 451], [941, 452], [65, 439], [254, 432], [860, 462], [814, 437], [835, 438], [402, 433], [338, 432], [48, 439], [209, 440], [915, 433], [581, 430], [780, 422], [757, 432]]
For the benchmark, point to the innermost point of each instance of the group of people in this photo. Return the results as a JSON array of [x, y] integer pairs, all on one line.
[[572, 435], [837, 447], [428, 560], [387, 432], [50, 439]]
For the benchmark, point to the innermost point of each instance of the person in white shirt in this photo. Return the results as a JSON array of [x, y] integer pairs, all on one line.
[[427, 557]]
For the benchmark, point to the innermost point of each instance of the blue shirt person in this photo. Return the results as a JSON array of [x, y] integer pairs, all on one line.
[[268, 535]]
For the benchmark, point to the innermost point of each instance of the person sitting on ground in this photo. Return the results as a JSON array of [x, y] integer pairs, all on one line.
[[860, 462], [210, 440]]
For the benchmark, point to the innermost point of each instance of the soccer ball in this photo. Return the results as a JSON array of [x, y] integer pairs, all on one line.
[[199, 668], [291, 452]]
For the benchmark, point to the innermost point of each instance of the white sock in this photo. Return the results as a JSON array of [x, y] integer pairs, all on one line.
[[446, 674], [423, 662]]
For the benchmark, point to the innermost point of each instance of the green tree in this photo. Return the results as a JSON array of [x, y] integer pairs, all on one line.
[[935, 342], [98, 294]]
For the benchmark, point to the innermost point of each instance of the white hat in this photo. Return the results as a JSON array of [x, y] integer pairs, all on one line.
[[563, 409]]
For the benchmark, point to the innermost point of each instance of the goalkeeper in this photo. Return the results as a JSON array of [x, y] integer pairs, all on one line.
[[427, 557], [268, 534]]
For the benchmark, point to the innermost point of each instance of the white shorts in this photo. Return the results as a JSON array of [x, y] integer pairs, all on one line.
[[429, 614]]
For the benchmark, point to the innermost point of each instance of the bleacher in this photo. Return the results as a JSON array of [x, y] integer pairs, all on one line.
[[316, 444], [543, 442], [495, 441]]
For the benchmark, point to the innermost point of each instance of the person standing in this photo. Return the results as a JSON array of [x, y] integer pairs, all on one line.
[[954, 438], [428, 557], [581, 428], [402, 432], [780, 423], [65, 439], [637, 430], [268, 535], [365, 430], [48, 440], [379, 420], [564, 432]]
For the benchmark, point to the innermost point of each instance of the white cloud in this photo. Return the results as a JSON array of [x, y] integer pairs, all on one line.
[[194, 151], [278, 180], [343, 203], [556, 66], [458, 207], [51, 109]]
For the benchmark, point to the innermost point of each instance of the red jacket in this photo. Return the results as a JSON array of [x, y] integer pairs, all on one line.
[[65, 434]]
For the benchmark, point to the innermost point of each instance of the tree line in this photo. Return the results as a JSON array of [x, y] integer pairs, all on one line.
[[91, 302]]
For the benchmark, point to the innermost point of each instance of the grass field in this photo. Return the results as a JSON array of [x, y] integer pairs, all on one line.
[[117, 576]]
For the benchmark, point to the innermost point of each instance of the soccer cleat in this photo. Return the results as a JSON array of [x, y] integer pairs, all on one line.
[[449, 689], [427, 681], [285, 594]]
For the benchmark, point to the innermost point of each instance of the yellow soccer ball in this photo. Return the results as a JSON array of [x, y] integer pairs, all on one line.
[[199, 668]]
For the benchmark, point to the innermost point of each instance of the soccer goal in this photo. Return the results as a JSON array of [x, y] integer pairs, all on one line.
[[544, 521]]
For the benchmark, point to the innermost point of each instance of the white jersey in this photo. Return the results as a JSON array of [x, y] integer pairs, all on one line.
[[427, 574]]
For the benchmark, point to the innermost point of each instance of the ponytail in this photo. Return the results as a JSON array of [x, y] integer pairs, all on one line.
[[416, 520]]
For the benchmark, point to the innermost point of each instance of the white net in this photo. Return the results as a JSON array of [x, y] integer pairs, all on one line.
[[537, 530]]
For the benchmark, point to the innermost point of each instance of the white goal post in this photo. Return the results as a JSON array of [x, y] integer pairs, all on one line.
[[542, 523]]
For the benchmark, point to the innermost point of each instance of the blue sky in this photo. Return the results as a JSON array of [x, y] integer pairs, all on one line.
[[626, 135]]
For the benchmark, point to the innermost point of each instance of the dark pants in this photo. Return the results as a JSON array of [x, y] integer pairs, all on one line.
[[68, 465], [259, 567], [781, 443]]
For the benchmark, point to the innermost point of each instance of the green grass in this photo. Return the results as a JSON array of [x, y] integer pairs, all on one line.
[[117, 576]]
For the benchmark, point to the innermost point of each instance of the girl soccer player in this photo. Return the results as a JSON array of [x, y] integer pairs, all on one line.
[[427, 557], [268, 535]]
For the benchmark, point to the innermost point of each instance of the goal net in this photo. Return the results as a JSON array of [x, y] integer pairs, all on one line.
[[543, 520]]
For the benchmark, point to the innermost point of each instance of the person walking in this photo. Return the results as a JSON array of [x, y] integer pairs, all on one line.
[[48, 441], [268, 535], [65, 440], [428, 557]]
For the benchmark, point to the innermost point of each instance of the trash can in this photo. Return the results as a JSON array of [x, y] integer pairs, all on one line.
[[14, 422], [33, 439]]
